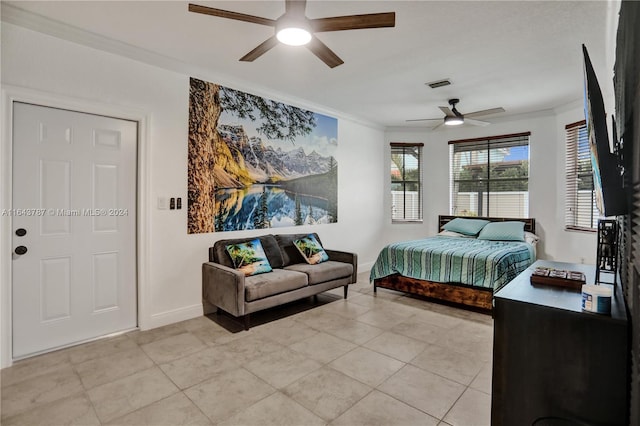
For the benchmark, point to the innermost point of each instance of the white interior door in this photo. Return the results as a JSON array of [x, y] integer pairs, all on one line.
[[74, 221]]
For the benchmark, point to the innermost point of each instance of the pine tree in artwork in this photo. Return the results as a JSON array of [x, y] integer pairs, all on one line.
[[332, 191], [219, 223], [261, 219], [264, 209], [298, 217]]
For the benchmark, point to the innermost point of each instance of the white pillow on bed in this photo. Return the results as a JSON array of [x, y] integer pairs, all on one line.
[[454, 234], [531, 238]]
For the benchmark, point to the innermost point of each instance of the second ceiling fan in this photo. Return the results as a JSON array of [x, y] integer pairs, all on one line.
[[453, 117], [294, 28]]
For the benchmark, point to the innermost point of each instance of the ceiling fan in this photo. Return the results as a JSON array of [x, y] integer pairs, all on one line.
[[295, 29], [453, 117]]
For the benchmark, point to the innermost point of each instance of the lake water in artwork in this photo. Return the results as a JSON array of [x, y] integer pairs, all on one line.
[[266, 206]]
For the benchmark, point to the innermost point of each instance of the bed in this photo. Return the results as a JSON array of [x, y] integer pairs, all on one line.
[[462, 271]]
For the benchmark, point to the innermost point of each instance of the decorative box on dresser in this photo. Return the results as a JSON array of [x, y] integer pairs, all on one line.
[[552, 362]]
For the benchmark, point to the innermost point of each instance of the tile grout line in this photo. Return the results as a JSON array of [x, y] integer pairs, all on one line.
[[322, 364]]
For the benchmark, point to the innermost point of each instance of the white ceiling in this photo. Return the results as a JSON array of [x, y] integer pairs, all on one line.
[[524, 56]]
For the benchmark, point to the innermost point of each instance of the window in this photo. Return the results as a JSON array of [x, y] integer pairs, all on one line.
[[490, 176], [581, 212], [406, 182]]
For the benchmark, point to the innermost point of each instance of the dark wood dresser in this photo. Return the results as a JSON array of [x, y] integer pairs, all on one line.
[[554, 363]]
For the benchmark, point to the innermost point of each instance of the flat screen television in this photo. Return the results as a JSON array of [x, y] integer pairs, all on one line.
[[607, 181]]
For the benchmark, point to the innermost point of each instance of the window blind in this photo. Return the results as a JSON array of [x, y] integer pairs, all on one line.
[[406, 182], [490, 176], [581, 211]]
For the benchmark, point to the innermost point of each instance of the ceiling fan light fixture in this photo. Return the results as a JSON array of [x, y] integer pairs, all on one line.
[[293, 33], [453, 121]]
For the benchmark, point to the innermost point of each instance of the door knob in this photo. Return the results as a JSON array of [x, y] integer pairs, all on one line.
[[20, 250], [21, 232]]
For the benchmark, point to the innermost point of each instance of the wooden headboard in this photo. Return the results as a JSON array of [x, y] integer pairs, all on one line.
[[529, 224]]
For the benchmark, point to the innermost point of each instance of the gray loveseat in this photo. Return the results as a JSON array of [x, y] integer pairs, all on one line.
[[226, 288]]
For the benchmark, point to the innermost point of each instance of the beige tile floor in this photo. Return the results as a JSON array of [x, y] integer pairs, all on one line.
[[370, 360]]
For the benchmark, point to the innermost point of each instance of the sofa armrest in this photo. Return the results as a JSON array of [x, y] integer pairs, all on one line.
[[346, 257], [223, 287]]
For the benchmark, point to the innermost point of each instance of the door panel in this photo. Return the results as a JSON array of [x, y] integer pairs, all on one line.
[[55, 187], [105, 195], [74, 192], [105, 281], [55, 287]]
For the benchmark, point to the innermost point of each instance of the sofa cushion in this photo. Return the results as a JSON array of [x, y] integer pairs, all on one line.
[[323, 272], [274, 282], [249, 258], [218, 253], [311, 250], [290, 253]]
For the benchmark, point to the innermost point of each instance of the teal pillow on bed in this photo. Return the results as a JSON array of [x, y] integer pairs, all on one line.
[[503, 231], [465, 226]]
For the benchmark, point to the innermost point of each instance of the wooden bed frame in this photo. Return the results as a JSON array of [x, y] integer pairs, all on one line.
[[477, 298]]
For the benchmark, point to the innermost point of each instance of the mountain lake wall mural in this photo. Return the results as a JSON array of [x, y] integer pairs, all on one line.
[[255, 163]]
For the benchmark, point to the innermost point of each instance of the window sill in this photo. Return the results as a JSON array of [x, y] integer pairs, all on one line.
[[579, 229], [401, 221]]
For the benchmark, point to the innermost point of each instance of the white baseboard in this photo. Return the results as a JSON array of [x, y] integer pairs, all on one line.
[[365, 267], [170, 317]]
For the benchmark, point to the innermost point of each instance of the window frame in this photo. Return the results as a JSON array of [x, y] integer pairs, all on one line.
[[485, 145], [402, 147], [573, 138]]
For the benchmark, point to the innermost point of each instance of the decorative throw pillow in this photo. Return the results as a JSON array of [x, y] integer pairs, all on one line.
[[503, 231], [249, 257], [465, 226], [311, 250]]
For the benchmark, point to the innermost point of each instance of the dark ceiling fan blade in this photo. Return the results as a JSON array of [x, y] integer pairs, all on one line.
[[447, 111], [295, 7], [425, 119], [231, 15], [485, 112], [354, 22], [262, 48], [476, 122], [325, 54]]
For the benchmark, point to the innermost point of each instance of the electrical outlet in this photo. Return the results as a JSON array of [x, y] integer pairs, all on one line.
[[179, 203], [172, 203]]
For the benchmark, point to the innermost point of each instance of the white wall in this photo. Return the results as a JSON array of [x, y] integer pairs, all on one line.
[[546, 181], [33, 60], [37, 61]]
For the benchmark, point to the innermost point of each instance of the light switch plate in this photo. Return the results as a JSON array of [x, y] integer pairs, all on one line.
[[163, 203]]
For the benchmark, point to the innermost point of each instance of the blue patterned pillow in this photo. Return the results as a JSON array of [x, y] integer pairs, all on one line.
[[311, 250], [249, 258], [465, 226], [503, 231]]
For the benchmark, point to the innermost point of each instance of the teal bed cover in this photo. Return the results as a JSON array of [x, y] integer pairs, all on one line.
[[479, 263]]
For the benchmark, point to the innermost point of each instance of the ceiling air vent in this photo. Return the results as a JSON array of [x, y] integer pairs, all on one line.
[[439, 83]]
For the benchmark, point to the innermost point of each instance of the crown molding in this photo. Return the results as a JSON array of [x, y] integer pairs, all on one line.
[[12, 14]]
